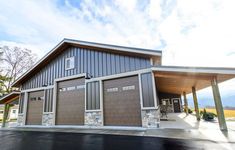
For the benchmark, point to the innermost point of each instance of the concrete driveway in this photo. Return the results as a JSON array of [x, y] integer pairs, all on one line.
[[37, 140], [183, 121]]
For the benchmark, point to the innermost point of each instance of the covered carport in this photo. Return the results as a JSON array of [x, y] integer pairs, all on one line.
[[186, 80], [7, 101]]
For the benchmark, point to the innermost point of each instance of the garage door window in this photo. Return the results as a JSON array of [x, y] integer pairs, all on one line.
[[112, 90], [33, 98], [71, 88], [127, 88]]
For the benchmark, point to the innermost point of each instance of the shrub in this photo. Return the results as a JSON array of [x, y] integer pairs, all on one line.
[[190, 111], [208, 116]]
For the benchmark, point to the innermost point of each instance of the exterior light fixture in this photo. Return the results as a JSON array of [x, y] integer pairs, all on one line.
[[88, 76], [44, 85]]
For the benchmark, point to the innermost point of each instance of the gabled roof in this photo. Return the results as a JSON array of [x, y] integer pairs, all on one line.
[[65, 43], [9, 97]]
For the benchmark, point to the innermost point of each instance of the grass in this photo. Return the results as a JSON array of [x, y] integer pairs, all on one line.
[[227, 113]]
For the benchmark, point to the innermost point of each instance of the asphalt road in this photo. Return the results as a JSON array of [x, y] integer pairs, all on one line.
[[33, 140]]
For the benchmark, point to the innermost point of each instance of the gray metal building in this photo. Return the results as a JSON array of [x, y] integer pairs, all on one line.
[[92, 84], [84, 83]]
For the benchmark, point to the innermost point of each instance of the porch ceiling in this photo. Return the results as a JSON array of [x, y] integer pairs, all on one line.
[[178, 81], [10, 97]]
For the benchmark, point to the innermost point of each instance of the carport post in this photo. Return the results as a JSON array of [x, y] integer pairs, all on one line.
[[5, 114], [195, 103], [218, 104], [185, 103]]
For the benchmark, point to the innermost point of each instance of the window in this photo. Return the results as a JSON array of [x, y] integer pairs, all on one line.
[[69, 63], [62, 89], [33, 98], [112, 90], [13, 111], [165, 102], [1, 111], [126, 88], [40, 98], [71, 88], [80, 87]]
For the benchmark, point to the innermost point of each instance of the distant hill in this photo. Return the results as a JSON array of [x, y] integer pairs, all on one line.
[[207, 101]]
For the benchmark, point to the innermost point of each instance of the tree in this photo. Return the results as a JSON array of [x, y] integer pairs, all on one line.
[[14, 62]]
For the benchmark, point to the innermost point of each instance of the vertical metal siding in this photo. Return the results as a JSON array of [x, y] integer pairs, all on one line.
[[96, 63], [100, 64], [93, 96], [147, 90], [48, 101], [21, 103]]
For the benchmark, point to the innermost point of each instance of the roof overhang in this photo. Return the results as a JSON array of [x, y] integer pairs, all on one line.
[[10, 97], [174, 79], [65, 43]]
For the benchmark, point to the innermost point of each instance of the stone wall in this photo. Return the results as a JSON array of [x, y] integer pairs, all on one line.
[[47, 119], [20, 120], [93, 118], [150, 118]]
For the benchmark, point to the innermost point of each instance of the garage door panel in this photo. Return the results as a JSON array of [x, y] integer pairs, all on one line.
[[122, 106], [70, 103], [35, 108]]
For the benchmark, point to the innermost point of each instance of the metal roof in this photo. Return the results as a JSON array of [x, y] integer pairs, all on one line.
[[9, 97]]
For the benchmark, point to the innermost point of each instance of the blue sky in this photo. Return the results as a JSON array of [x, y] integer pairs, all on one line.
[[190, 33]]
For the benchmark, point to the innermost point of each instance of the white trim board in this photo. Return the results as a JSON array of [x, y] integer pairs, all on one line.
[[125, 74], [230, 71], [14, 92], [38, 89]]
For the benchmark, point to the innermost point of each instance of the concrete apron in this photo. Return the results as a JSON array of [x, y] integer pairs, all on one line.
[[198, 134]]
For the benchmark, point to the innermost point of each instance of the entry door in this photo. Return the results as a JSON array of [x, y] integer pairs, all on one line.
[[122, 102], [70, 102], [176, 104], [35, 108]]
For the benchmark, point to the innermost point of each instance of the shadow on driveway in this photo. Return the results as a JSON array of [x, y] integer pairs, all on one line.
[[31, 140]]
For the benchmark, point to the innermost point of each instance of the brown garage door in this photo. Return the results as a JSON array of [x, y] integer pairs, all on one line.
[[35, 108], [71, 102], [122, 102]]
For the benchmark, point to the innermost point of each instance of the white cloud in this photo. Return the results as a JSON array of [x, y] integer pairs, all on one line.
[[126, 5], [154, 9], [195, 33], [42, 24], [200, 33]]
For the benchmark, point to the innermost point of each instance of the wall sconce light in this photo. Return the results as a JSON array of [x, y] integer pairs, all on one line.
[[44, 85], [88, 76]]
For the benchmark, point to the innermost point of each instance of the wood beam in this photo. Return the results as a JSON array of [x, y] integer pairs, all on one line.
[[195, 103], [185, 76], [185, 103], [218, 104]]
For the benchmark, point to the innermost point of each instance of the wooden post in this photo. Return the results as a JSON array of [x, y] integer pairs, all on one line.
[[218, 104], [5, 114], [195, 103], [185, 103]]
